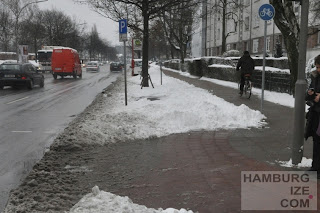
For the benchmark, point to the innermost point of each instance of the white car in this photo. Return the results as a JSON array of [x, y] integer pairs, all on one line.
[[93, 66], [137, 68]]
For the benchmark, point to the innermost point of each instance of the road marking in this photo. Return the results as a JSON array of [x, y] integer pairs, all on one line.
[[21, 131], [17, 100]]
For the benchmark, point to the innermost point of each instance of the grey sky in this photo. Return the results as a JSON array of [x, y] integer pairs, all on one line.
[[107, 29]]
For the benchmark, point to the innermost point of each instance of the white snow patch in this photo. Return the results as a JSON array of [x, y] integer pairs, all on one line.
[[304, 163], [102, 202], [174, 107]]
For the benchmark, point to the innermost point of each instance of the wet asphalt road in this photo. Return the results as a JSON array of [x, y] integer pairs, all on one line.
[[31, 119]]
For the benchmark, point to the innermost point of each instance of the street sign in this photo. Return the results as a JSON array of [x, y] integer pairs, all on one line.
[[137, 45], [123, 37], [123, 30], [123, 26], [266, 12]]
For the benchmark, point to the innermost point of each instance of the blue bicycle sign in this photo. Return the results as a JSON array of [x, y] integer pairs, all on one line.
[[266, 12]]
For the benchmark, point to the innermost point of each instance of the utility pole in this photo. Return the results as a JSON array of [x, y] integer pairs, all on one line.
[[300, 88]]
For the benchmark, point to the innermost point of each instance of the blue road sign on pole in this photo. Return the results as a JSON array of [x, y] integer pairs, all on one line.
[[123, 26], [266, 12], [123, 30]]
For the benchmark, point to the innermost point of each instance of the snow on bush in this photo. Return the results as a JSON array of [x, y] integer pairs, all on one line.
[[231, 53]]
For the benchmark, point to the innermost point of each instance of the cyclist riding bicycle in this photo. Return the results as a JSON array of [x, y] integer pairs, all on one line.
[[247, 66]]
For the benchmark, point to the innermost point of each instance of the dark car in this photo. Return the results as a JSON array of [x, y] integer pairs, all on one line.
[[18, 74], [115, 66]]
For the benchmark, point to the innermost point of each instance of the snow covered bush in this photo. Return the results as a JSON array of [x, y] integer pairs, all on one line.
[[231, 53]]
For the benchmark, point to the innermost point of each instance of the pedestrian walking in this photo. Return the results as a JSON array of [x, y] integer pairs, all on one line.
[[313, 127], [246, 67]]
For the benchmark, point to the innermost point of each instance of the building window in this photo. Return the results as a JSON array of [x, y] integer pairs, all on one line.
[[245, 46], [255, 45], [228, 47], [256, 20], [319, 37], [268, 44], [246, 23], [234, 46], [218, 34]]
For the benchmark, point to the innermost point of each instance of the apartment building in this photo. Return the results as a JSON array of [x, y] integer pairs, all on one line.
[[245, 28]]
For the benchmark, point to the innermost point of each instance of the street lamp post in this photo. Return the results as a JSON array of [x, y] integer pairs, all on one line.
[[300, 88]]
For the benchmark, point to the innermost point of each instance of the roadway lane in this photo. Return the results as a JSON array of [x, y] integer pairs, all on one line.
[[31, 119]]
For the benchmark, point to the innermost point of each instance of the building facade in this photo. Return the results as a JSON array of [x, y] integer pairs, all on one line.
[[244, 29]]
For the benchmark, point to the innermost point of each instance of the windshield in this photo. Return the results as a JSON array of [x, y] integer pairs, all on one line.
[[44, 56], [138, 63], [92, 64], [9, 67]]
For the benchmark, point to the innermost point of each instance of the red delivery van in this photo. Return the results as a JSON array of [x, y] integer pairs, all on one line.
[[64, 62]]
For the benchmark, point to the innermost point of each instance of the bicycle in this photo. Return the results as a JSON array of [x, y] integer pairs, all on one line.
[[247, 88]]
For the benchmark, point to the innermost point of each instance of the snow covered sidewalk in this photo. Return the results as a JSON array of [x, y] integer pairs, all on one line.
[[174, 107], [125, 150]]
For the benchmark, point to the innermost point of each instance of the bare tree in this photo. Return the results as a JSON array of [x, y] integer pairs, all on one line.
[[133, 10], [31, 29], [229, 11], [287, 23], [177, 24], [20, 10], [6, 29]]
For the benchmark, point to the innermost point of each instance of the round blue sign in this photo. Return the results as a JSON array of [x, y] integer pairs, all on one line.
[[266, 12]]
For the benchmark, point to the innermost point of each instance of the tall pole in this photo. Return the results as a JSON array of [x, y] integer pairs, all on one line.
[[250, 34], [125, 72], [300, 88], [264, 65]]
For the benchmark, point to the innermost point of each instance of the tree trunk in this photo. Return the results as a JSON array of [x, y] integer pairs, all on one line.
[[145, 46], [223, 48], [286, 21]]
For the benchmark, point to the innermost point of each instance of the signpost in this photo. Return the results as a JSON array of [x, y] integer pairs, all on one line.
[[300, 88], [123, 37], [266, 13]]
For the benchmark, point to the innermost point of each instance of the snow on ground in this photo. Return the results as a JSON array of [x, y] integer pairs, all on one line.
[[275, 97], [174, 107], [101, 202], [304, 163], [272, 69]]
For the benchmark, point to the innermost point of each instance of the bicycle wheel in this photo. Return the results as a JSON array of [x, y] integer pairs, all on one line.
[[247, 89]]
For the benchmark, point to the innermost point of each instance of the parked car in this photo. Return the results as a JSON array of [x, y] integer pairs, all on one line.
[[18, 74], [64, 62], [115, 66], [93, 66], [136, 66]]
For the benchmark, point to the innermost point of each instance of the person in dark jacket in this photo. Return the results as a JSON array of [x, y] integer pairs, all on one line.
[[313, 100], [247, 66]]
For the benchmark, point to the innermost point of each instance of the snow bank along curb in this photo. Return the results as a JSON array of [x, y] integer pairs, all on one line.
[[174, 107]]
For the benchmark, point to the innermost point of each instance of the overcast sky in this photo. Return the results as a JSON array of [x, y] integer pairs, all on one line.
[[107, 29]]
